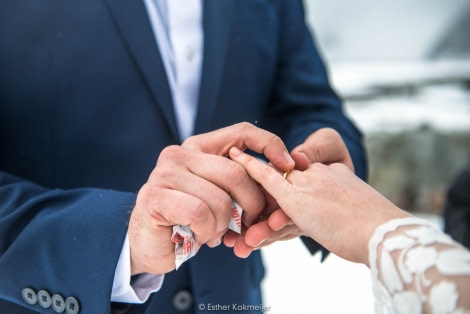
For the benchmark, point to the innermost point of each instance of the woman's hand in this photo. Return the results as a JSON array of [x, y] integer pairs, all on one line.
[[327, 202], [324, 146]]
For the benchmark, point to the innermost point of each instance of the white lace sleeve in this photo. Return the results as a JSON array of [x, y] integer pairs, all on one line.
[[416, 268]]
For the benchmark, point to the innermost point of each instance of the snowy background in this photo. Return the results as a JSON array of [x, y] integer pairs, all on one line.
[[298, 283], [400, 66], [397, 64]]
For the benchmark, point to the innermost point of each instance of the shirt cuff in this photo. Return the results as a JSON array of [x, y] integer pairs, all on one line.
[[137, 291]]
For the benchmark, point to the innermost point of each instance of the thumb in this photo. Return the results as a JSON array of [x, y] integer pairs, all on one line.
[[323, 146]]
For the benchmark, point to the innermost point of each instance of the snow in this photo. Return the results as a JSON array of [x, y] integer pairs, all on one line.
[[395, 96], [377, 30], [377, 57], [297, 282], [375, 46]]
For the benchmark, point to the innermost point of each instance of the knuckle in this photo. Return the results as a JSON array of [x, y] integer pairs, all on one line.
[[314, 153], [332, 136], [272, 141], [148, 196], [198, 211], [144, 197], [276, 139], [222, 201], [318, 167], [190, 142], [265, 171], [331, 131], [170, 152], [301, 180], [220, 229], [236, 173], [340, 167], [245, 126], [163, 174], [173, 154]]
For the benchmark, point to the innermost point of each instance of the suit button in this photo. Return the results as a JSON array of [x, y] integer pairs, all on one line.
[[58, 303], [29, 296], [72, 306], [183, 300], [44, 299]]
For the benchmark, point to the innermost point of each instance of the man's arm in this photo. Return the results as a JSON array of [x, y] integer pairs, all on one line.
[[303, 100], [193, 185], [52, 237], [49, 238]]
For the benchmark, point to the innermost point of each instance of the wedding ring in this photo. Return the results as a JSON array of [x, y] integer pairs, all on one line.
[[285, 174]]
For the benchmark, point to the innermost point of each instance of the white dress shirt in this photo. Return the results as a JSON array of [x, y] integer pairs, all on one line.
[[177, 25]]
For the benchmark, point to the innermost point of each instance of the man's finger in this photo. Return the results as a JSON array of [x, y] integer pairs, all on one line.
[[272, 181], [243, 135], [193, 213], [233, 179]]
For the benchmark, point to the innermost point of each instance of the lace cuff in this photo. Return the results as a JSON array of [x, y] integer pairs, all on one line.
[[416, 268]]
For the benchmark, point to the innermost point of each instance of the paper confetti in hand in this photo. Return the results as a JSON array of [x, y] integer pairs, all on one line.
[[185, 244]]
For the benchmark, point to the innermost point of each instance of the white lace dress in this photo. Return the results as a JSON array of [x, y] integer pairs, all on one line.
[[418, 269]]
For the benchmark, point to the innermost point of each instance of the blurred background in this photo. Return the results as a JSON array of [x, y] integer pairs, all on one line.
[[403, 70]]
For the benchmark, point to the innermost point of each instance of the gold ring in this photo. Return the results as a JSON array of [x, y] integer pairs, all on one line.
[[285, 174]]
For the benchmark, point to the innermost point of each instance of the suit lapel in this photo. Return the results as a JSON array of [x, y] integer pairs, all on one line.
[[217, 18], [133, 23]]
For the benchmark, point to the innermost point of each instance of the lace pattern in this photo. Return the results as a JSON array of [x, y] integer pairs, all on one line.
[[418, 269]]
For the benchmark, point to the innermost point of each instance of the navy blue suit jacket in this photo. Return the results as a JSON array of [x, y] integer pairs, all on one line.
[[85, 109]]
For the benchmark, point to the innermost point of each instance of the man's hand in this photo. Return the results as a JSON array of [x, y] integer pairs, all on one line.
[[193, 184], [323, 146]]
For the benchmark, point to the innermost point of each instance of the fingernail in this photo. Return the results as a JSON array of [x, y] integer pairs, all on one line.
[[235, 151], [290, 223], [261, 242]]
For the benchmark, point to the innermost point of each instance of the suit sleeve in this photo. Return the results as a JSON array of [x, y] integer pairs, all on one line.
[[49, 238], [303, 100]]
